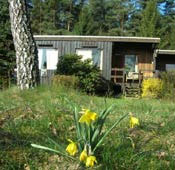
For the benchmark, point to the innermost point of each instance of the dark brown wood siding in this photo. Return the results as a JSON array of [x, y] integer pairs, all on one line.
[[69, 47], [144, 52]]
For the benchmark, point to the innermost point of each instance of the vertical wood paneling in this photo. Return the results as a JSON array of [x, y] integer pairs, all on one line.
[[68, 47]]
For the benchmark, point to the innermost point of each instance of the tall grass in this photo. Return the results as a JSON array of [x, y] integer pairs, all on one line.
[[41, 115]]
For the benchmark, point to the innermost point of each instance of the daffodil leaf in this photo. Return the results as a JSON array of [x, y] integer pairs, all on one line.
[[108, 131], [52, 150], [100, 122]]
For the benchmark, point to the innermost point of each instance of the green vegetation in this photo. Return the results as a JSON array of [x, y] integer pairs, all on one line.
[[89, 75], [65, 80], [7, 54], [150, 20], [42, 116], [168, 79]]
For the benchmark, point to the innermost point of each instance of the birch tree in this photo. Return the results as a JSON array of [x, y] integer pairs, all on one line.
[[25, 47]]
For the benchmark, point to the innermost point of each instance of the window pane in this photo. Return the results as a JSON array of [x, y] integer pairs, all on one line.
[[170, 67], [96, 56], [130, 63]]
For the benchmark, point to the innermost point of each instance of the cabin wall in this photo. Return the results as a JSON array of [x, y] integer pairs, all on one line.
[[162, 60], [69, 47], [143, 51]]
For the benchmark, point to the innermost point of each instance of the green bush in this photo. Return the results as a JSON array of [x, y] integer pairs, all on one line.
[[69, 64], [168, 79], [89, 75], [65, 80], [89, 81]]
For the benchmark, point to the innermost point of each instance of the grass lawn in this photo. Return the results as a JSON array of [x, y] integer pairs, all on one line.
[[42, 116]]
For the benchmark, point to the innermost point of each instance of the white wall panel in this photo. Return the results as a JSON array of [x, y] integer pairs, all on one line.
[[52, 59]]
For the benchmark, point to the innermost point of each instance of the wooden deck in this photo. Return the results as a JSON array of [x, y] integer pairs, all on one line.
[[130, 85]]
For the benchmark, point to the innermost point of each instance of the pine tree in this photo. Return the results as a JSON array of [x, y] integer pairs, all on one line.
[[85, 25], [98, 12], [7, 53], [150, 20], [37, 16], [118, 17], [26, 51], [68, 14], [168, 25]]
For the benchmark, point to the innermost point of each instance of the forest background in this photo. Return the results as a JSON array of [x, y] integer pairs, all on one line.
[[147, 18]]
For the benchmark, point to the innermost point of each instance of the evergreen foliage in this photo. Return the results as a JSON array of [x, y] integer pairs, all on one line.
[[168, 25], [154, 18], [150, 18], [7, 54]]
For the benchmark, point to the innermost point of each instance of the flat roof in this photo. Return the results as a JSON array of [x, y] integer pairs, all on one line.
[[97, 38], [166, 52]]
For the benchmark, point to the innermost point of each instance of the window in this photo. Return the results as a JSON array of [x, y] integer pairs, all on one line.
[[131, 63], [95, 54], [48, 58], [170, 67]]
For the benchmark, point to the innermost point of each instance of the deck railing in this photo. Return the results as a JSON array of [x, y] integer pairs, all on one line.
[[118, 75]]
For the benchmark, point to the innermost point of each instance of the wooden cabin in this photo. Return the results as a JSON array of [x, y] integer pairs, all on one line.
[[115, 56], [165, 60]]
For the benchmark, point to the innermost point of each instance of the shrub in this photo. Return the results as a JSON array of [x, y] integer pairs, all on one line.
[[89, 82], [69, 64], [65, 80], [152, 87], [89, 75], [168, 79]]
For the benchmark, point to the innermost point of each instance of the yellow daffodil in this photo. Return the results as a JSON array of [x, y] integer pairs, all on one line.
[[87, 116], [72, 148], [90, 161], [133, 122], [83, 156]]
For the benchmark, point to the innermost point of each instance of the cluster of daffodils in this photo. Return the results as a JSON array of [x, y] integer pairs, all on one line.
[[86, 157], [90, 134], [87, 119]]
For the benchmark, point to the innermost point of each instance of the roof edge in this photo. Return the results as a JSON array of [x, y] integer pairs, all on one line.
[[98, 38], [168, 52]]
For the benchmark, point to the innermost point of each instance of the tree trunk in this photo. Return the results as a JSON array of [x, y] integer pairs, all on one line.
[[26, 50]]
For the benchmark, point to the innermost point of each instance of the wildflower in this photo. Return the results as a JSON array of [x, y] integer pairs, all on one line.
[[133, 121], [90, 161], [87, 116], [72, 148], [83, 156]]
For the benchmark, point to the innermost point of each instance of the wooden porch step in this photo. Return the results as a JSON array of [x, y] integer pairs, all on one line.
[[132, 91]]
